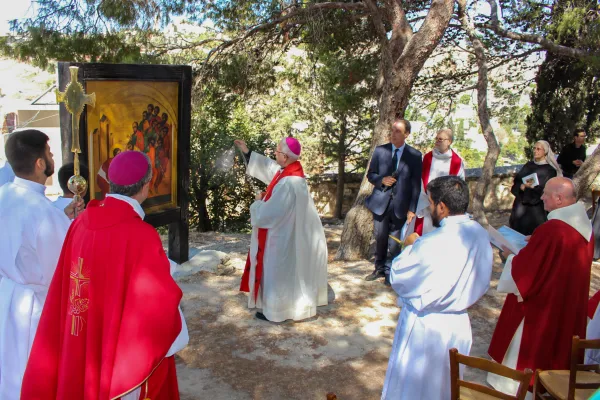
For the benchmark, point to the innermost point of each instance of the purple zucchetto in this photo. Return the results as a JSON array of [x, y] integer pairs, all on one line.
[[127, 168]]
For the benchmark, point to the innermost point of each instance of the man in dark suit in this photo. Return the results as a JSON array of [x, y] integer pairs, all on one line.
[[395, 171]]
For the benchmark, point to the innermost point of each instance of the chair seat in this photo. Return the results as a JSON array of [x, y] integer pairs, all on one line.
[[470, 394], [557, 383]]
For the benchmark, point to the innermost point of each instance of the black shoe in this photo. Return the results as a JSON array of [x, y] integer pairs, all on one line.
[[261, 316], [387, 281], [374, 275]]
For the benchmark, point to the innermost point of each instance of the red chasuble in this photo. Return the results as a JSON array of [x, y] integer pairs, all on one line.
[[294, 169], [455, 164], [552, 274], [111, 314]]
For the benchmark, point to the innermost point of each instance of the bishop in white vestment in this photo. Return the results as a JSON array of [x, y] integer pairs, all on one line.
[[437, 279], [31, 239], [441, 161], [294, 254]]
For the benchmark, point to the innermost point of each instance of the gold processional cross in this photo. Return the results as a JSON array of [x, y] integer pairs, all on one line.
[[75, 100]]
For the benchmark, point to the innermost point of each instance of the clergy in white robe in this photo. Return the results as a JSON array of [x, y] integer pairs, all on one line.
[[592, 356], [30, 244], [64, 174], [437, 279], [290, 281], [6, 174], [441, 161]]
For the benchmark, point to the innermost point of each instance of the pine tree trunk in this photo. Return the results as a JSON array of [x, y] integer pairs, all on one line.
[[201, 194], [403, 56], [584, 178], [341, 181], [493, 152]]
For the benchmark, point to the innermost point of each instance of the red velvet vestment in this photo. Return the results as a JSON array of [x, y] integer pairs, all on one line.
[[111, 314], [552, 274]]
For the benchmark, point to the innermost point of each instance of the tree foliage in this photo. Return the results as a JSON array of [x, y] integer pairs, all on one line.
[[566, 97], [244, 84]]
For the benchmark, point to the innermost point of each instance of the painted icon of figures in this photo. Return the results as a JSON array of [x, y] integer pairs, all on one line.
[[116, 126]]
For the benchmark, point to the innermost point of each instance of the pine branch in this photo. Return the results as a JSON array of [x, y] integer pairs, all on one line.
[[565, 51]]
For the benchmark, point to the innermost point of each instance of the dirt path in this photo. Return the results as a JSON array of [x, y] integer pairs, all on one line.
[[345, 349]]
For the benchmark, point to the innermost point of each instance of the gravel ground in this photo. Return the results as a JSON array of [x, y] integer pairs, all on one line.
[[344, 349]]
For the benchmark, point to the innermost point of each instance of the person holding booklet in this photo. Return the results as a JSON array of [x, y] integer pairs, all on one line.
[[528, 210], [547, 284]]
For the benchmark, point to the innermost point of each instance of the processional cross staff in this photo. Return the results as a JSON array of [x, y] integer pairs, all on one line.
[[75, 100]]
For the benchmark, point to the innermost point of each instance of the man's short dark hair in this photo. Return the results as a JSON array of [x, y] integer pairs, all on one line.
[[452, 191], [405, 122], [67, 171], [578, 131], [24, 148], [135, 188]]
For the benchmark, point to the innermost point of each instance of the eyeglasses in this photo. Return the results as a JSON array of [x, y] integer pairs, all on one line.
[[440, 139]]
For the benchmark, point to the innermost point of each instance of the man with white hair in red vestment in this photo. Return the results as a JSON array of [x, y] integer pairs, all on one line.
[[286, 269]]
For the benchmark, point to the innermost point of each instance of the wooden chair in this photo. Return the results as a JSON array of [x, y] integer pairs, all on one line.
[[463, 390], [579, 382]]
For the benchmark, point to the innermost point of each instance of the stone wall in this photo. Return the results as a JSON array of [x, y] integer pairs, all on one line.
[[498, 196]]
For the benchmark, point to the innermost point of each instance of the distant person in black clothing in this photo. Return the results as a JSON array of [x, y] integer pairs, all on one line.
[[573, 155], [528, 209]]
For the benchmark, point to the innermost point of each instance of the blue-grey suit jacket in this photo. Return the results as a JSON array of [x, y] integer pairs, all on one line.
[[408, 186]]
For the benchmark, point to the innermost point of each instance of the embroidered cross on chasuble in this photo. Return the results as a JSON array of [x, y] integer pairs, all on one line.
[[78, 296]]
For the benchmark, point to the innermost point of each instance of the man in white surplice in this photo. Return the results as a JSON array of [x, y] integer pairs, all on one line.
[[437, 278], [31, 238], [287, 278]]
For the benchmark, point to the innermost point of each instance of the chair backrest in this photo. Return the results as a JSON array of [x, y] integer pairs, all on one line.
[[524, 377], [577, 346]]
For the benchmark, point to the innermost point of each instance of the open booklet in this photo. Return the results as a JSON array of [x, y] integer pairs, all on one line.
[[531, 179], [509, 238]]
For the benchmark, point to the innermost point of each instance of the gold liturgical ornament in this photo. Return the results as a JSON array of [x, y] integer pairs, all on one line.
[[75, 100]]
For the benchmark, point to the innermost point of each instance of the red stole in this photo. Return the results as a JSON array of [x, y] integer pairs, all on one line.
[[455, 164], [294, 169]]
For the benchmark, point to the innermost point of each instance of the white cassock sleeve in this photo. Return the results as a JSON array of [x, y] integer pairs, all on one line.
[[506, 283], [183, 338], [592, 356], [262, 168], [270, 213], [49, 241], [408, 272]]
